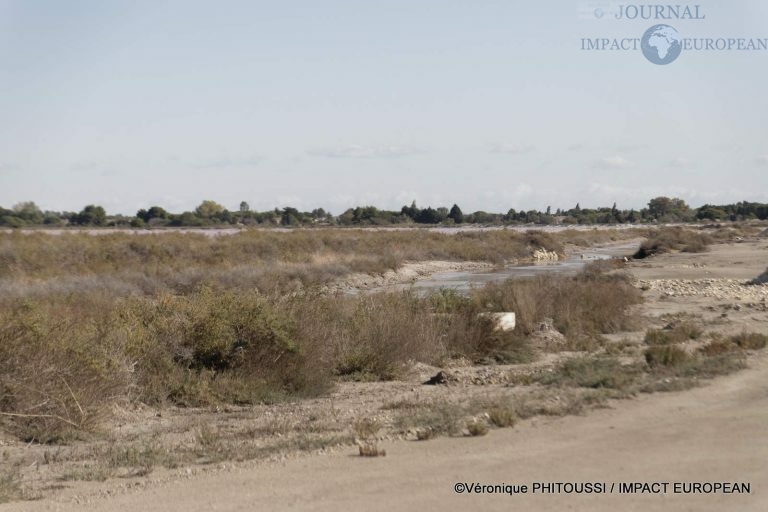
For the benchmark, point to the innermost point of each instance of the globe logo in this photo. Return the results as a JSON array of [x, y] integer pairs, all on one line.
[[599, 13], [661, 44]]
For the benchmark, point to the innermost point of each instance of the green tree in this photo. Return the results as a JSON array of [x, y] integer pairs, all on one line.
[[710, 212], [208, 209], [456, 214], [290, 216], [410, 211], [91, 215], [429, 216], [155, 212], [29, 212], [668, 209]]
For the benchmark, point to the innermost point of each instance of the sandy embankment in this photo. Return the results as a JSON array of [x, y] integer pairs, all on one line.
[[408, 273]]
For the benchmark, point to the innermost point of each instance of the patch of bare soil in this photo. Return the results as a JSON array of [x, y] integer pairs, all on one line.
[[408, 273], [304, 455]]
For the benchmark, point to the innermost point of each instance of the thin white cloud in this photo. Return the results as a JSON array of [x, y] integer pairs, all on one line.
[[359, 151], [613, 162], [575, 147], [513, 149], [762, 160]]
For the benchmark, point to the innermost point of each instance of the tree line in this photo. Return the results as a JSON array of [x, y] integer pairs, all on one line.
[[211, 213]]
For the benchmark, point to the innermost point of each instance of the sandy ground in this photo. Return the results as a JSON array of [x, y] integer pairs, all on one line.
[[407, 273], [714, 433]]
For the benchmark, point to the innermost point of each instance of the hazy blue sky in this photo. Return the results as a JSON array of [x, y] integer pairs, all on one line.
[[490, 104]]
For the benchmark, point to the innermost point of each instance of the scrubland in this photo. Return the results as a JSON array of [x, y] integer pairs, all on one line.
[[179, 325]]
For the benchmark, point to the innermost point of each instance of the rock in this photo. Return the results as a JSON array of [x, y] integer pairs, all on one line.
[[545, 255], [547, 335], [504, 321]]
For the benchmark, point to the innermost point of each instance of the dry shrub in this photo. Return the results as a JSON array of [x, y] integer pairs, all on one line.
[[371, 337], [588, 303], [666, 356], [371, 449], [59, 375], [219, 346], [717, 347], [678, 333], [742, 341], [502, 416], [366, 428], [673, 239], [477, 427], [749, 340], [470, 335]]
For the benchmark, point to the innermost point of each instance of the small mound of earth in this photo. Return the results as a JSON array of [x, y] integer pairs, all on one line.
[[546, 336], [474, 375], [421, 371], [763, 234]]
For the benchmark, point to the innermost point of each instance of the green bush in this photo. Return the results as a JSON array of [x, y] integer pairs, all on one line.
[[191, 346]]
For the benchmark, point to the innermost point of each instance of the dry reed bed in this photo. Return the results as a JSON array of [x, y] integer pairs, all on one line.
[[36, 264]]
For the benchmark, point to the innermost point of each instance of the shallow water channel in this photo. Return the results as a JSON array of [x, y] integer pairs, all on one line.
[[464, 281]]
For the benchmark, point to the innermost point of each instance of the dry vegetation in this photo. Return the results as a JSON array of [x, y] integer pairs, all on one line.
[[91, 324], [674, 239], [64, 360], [89, 321], [269, 261]]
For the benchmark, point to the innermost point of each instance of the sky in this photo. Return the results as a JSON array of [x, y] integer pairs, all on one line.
[[329, 103]]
